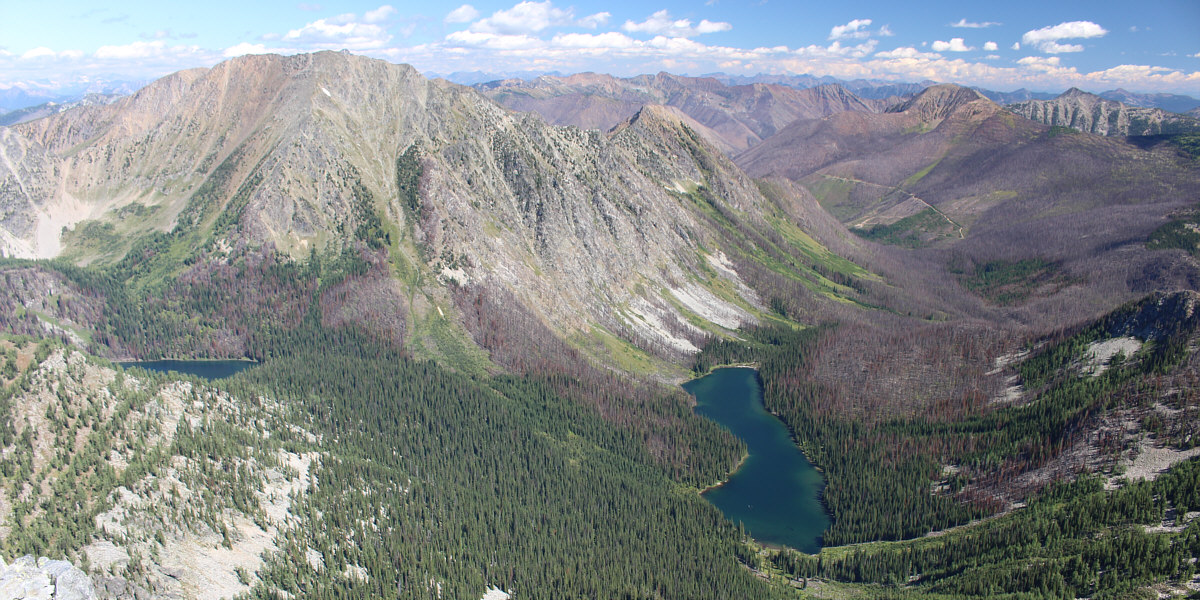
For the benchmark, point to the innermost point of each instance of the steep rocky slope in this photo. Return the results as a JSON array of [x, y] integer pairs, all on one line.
[[741, 115], [1090, 113], [593, 234]]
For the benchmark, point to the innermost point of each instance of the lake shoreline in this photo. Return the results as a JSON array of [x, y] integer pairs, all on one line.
[[210, 369], [777, 495], [741, 461]]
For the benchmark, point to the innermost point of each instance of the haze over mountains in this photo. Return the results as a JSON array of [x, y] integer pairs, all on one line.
[[471, 305]]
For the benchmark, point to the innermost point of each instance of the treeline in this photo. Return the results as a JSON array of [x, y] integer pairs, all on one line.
[[877, 480], [1076, 540], [904, 476]]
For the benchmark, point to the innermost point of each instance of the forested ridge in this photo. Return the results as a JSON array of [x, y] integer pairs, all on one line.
[[441, 479], [1075, 540], [901, 479], [432, 483]]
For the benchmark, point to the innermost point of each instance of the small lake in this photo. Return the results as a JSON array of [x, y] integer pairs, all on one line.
[[776, 492], [208, 369]]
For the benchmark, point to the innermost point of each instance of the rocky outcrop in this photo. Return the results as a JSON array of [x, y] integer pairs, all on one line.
[[1090, 113], [44, 579], [139, 534], [940, 101]]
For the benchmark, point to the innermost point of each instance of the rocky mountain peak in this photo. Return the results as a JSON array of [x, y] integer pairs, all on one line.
[[1077, 93], [937, 102], [1095, 114]]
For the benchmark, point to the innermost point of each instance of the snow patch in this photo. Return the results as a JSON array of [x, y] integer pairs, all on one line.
[[326, 92]]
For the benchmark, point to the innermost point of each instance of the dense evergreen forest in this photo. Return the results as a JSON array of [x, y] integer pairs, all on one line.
[[560, 479], [889, 480], [879, 475], [432, 483], [1075, 540], [442, 481]]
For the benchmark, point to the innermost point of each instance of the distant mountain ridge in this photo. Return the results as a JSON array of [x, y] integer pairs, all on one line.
[[16, 97], [952, 169], [1169, 102], [42, 110], [740, 115], [1091, 113], [1020, 95]]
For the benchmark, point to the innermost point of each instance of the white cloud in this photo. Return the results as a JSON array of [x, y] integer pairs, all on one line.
[[245, 48], [611, 40], [1046, 39], [1057, 48], [1196, 55], [343, 31], [837, 49], [855, 30], [954, 45], [970, 25], [132, 50], [495, 41], [1016, 46], [1040, 60], [907, 52], [661, 23], [379, 15], [463, 14], [39, 52], [885, 31], [594, 21], [524, 18], [990, 46]]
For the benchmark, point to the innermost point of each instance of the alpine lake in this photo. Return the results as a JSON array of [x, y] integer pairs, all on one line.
[[206, 369], [775, 493]]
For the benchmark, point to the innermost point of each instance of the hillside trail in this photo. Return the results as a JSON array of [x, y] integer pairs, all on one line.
[[911, 195]]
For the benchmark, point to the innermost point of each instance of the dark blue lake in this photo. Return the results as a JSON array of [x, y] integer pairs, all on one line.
[[208, 369], [776, 492]]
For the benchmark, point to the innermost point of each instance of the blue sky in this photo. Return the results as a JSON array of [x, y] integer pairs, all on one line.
[[1150, 45]]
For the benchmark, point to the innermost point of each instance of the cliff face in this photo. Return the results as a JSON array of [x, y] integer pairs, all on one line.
[[303, 153], [1092, 114]]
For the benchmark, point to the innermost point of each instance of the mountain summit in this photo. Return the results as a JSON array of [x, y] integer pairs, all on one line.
[[317, 153], [1090, 113]]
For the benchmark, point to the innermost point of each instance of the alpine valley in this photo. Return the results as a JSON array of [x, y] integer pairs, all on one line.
[[471, 309]]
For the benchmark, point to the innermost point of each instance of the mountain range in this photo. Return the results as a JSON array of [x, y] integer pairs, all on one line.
[[1082, 111], [470, 308]]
